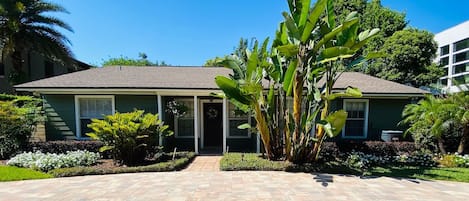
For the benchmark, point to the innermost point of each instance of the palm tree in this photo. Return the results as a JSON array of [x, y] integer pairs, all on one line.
[[461, 116], [25, 27], [430, 116]]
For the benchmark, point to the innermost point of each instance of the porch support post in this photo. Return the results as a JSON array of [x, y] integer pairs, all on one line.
[[196, 125], [258, 144], [160, 115], [225, 123]]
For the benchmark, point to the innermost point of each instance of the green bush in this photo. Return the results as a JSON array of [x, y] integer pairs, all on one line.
[[250, 161], [130, 137], [172, 165], [18, 116], [46, 162], [454, 160]]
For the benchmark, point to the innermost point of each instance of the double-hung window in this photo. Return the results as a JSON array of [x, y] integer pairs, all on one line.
[[237, 117], [91, 107], [184, 123], [356, 125]]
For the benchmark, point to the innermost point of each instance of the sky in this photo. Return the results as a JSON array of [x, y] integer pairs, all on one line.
[[189, 32]]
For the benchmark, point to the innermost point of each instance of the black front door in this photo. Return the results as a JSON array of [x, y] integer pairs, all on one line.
[[213, 126]]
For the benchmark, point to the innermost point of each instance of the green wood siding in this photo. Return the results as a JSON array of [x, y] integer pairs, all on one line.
[[60, 112], [128, 103], [384, 114]]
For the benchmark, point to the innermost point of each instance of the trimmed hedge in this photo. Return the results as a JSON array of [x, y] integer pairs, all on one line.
[[177, 164], [331, 150], [250, 161], [61, 147]]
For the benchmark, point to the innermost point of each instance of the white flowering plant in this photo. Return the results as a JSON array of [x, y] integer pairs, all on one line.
[[362, 161], [47, 161]]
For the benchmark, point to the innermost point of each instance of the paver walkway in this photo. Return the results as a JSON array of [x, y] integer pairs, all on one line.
[[237, 186], [205, 164]]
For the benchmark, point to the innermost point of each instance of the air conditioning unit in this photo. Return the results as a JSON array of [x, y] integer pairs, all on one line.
[[390, 135]]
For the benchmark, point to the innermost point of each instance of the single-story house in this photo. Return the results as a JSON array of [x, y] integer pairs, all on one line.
[[71, 100]]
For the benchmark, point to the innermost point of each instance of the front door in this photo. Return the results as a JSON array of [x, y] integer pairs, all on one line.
[[213, 124]]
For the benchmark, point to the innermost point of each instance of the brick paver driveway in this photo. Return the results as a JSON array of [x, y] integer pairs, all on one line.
[[230, 186]]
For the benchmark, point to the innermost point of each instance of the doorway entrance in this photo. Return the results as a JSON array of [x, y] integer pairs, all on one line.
[[212, 126]]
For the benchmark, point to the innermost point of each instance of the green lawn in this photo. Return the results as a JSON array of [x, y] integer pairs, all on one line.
[[250, 161], [9, 173], [449, 174]]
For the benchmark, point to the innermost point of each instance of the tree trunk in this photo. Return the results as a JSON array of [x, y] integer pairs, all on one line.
[[463, 141], [441, 146]]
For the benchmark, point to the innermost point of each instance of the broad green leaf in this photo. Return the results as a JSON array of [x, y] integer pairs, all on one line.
[[288, 50], [330, 13], [253, 61], [331, 35], [105, 148], [289, 77], [337, 121], [349, 92], [292, 29], [244, 126], [232, 64], [314, 15], [335, 53], [231, 89]]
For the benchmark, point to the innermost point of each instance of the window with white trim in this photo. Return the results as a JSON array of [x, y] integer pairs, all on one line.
[[90, 107], [184, 123], [237, 117], [356, 125]]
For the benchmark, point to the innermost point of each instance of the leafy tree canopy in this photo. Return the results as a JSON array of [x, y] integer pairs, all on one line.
[[409, 58], [126, 61], [408, 52]]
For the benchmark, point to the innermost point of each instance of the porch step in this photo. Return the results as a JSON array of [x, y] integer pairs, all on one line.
[[205, 164]]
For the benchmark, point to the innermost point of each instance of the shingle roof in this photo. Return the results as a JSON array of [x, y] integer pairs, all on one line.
[[373, 85], [135, 77], [131, 77]]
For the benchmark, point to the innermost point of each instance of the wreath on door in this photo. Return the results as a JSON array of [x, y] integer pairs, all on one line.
[[212, 113]]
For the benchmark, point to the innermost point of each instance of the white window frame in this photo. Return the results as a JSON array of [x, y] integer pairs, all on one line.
[[365, 128], [176, 135], [77, 111], [238, 118]]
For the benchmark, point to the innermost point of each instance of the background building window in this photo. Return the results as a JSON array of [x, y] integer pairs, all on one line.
[[237, 117], [444, 50], [92, 108], [48, 69], [461, 57], [184, 124], [463, 44], [356, 125], [461, 68], [444, 61]]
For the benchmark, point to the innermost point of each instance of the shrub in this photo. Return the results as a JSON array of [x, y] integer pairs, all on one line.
[[129, 137], [454, 160], [46, 162], [60, 147], [376, 147], [250, 161], [172, 165], [18, 116]]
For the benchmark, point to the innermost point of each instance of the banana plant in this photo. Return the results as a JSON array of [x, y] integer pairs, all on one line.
[[314, 49], [247, 92]]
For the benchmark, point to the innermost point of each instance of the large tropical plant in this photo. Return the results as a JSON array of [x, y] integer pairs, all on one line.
[[245, 89], [306, 58], [430, 117], [25, 26], [316, 50]]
